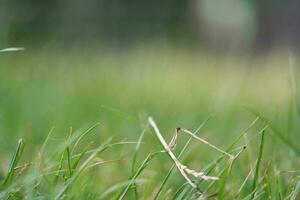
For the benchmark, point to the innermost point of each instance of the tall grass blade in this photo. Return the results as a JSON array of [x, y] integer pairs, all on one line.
[[69, 155], [134, 158], [260, 153], [296, 191], [13, 163], [75, 164], [83, 166], [83, 135], [45, 142], [144, 164], [118, 186], [278, 133]]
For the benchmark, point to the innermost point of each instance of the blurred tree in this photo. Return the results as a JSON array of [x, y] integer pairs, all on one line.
[[105, 20], [217, 23], [279, 24]]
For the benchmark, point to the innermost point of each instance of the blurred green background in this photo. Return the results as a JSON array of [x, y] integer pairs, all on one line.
[[178, 86], [117, 62]]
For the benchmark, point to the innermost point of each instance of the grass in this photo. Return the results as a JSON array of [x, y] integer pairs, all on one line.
[[258, 162], [82, 116]]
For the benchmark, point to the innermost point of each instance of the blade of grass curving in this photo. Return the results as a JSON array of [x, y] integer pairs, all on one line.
[[258, 134], [83, 135], [278, 186], [14, 161], [295, 192], [278, 133], [118, 186], [144, 164], [75, 164], [243, 133], [83, 166], [75, 139], [137, 147], [45, 142], [249, 196], [259, 195], [60, 165], [223, 179], [88, 152], [260, 153], [62, 158], [182, 191], [214, 163], [134, 158], [102, 163], [180, 154], [243, 184], [69, 153], [107, 147], [224, 173]]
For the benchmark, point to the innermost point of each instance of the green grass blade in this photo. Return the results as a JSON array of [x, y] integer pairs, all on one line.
[[75, 164], [14, 161], [144, 164], [60, 165], [260, 153], [296, 191], [69, 161], [137, 147], [118, 186], [134, 158], [45, 142], [69, 154], [278, 133], [83, 166], [83, 135], [182, 191]]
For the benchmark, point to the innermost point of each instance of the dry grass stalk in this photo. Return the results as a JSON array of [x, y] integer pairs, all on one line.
[[184, 170], [173, 142], [23, 169], [207, 143]]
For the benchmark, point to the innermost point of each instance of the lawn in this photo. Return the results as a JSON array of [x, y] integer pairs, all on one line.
[[74, 124]]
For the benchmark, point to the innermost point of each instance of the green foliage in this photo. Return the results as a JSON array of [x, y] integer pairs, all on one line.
[[118, 158]]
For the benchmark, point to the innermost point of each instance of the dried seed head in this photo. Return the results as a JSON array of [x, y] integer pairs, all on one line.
[[200, 175], [173, 142]]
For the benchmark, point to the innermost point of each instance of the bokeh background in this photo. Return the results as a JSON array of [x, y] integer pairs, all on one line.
[[224, 25], [118, 61]]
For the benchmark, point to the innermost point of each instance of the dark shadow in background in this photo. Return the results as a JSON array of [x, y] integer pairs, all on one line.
[[125, 22]]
